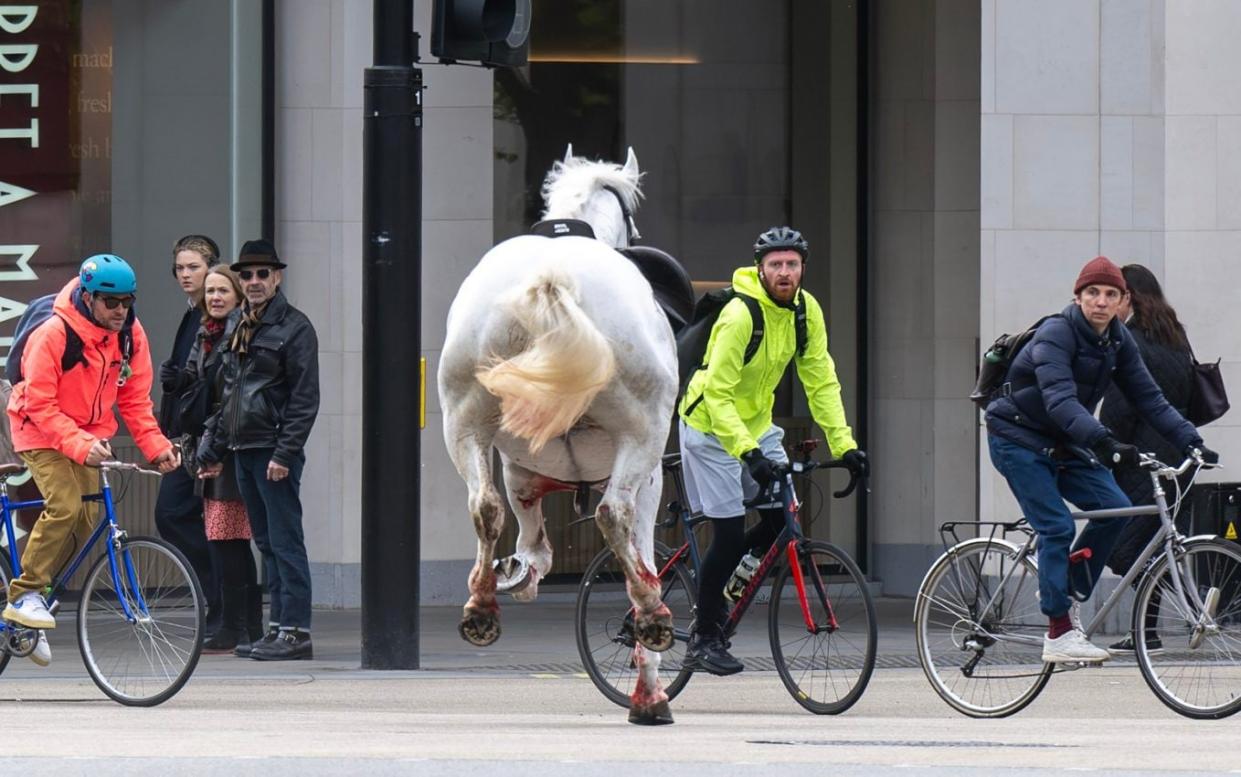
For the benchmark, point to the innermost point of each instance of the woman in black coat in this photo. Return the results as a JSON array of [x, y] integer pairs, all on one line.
[[1164, 346], [224, 511]]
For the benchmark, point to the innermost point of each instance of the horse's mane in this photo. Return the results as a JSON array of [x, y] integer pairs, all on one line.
[[570, 185]]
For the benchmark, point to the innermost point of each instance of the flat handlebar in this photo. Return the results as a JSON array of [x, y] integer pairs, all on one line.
[[1148, 461], [130, 467]]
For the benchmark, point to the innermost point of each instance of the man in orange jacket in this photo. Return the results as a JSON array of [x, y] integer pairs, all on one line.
[[61, 418]]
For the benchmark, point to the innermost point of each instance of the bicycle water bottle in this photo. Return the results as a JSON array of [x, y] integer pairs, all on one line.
[[741, 577]]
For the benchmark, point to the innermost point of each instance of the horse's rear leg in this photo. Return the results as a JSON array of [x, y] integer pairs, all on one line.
[[520, 573], [627, 518], [471, 453], [648, 704]]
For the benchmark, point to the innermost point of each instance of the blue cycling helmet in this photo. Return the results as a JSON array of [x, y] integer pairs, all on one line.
[[107, 274]]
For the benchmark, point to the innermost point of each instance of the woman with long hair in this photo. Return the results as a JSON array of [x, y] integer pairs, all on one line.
[[224, 512], [1166, 352]]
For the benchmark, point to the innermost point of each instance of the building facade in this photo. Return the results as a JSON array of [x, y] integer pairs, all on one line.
[[953, 163]]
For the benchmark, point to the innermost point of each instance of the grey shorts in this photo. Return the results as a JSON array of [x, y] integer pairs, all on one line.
[[716, 483]]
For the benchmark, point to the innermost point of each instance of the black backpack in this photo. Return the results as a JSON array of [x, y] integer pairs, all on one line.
[[40, 310], [692, 340], [993, 368]]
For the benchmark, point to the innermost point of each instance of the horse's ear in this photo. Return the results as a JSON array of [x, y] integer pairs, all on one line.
[[631, 162], [568, 154]]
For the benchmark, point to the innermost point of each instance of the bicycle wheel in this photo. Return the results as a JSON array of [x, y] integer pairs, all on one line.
[[1192, 659], [980, 643], [604, 625], [145, 661], [9, 629], [826, 670]]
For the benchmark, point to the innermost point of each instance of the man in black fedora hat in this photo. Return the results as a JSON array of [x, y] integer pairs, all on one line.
[[269, 403]]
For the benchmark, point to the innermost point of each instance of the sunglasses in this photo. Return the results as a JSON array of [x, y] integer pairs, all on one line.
[[111, 303], [263, 274]]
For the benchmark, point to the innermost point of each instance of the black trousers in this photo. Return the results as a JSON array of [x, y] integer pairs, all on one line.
[[179, 520], [729, 542]]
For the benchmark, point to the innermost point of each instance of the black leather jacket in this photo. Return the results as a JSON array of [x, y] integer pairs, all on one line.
[[271, 394]]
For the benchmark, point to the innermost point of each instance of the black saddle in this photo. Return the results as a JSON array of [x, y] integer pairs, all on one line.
[[668, 279]]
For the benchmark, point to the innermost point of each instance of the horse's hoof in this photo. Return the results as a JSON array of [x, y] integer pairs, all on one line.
[[656, 714], [479, 628], [655, 633], [513, 574]]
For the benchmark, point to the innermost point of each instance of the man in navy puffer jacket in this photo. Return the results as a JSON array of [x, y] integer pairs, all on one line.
[[1046, 442]]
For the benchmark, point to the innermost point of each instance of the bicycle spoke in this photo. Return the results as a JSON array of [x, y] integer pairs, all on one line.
[[604, 625], [1191, 661], [145, 661], [980, 631], [827, 670]]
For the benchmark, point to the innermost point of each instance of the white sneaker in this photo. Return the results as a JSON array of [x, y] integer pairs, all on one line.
[[1072, 647], [30, 611], [42, 653], [1075, 615]]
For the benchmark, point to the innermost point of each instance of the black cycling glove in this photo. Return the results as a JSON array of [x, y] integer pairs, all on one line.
[[857, 462], [1208, 455], [1115, 454], [762, 469]]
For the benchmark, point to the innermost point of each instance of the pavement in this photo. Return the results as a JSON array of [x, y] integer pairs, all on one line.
[[523, 706]]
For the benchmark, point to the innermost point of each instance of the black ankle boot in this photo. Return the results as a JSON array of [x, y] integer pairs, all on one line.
[[232, 629], [225, 640], [288, 645], [246, 649]]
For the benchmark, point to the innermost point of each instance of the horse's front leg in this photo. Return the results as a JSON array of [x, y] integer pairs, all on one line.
[[470, 449]]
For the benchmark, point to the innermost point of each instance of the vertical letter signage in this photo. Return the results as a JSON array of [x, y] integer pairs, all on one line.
[[55, 146]]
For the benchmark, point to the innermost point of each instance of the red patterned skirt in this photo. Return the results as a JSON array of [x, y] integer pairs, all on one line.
[[226, 519]]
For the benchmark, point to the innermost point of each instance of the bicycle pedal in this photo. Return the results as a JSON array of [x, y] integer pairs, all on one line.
[[1089, 664]]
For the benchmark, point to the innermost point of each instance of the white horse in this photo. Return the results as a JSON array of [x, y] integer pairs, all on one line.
[[558, 356]]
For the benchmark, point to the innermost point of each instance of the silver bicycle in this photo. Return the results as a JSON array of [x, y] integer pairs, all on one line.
[[980, 629]]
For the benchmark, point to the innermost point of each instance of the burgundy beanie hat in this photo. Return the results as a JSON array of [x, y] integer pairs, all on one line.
[[1101, 271]]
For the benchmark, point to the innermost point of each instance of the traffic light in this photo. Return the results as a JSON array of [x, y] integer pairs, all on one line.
[[493, 32]]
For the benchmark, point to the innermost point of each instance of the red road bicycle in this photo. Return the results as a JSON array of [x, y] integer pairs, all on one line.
[[820, 620]]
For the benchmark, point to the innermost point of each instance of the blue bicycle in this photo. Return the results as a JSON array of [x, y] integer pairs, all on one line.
[[140, 609]]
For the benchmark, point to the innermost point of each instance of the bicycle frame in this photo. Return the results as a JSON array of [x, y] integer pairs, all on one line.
[[1167, 538], [787, 542], [109, 525]]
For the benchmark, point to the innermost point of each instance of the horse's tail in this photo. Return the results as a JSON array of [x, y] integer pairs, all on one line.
[[546, 388]]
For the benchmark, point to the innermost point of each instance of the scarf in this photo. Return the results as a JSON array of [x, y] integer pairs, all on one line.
[[213, 330], [249, 324]]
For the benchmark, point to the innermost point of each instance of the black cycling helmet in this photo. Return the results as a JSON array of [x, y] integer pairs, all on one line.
[[780, 239]]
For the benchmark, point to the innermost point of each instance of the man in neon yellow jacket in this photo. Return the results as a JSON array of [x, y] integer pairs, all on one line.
[[729, 446]]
